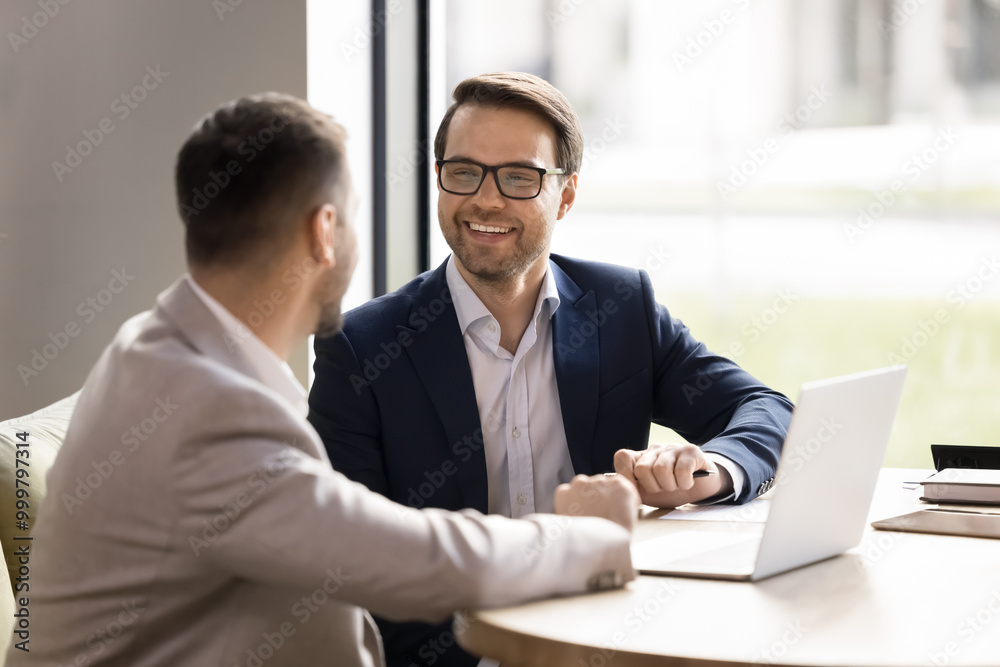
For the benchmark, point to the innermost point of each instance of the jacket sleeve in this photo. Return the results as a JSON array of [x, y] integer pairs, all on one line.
[[710, 401], [343, 411], [253, 503]]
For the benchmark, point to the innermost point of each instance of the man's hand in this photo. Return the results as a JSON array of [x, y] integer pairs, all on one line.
[[607, 497], [663, 474]]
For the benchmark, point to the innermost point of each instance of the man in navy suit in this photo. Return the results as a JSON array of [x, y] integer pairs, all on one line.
[[490, 380]]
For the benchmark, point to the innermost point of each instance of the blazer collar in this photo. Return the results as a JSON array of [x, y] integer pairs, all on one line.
[[438, 354], [180, 305], [576, 343]]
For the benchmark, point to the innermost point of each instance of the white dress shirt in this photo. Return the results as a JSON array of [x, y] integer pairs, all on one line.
[[527, 455], [272, 371], [525, 442]]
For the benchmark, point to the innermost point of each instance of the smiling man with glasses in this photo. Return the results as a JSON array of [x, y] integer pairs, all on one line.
[[490, 380]]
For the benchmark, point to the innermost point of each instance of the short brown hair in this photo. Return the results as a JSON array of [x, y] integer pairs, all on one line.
[[250, 171], [521, 91]]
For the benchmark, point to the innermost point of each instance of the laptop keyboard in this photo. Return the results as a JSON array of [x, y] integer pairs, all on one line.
[[696, 548], [739, 555]]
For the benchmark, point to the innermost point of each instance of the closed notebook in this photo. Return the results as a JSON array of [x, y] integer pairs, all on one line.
[[960, 485]]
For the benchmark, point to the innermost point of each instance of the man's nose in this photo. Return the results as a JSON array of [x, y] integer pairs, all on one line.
[[489, 195]]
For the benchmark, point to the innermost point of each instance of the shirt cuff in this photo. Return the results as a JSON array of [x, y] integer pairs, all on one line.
[[736, 472]]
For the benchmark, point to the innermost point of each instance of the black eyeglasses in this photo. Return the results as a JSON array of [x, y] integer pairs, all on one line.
[[460, 177]]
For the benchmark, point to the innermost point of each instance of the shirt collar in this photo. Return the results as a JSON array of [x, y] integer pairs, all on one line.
[[271, 370], [470, 309]]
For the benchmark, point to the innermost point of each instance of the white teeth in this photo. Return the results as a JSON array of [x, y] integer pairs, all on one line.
[[486, 228]]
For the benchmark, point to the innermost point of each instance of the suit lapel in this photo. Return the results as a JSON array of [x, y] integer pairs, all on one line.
[[438, 354], [575, 341]]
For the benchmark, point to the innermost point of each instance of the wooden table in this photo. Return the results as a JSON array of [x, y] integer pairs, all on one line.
[[897, 599]]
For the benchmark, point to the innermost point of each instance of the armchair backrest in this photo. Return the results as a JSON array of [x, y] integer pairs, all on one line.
[[28, 446]]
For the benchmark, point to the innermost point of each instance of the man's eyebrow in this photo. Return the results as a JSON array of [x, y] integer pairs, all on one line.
[[521, 164], [518, 163]]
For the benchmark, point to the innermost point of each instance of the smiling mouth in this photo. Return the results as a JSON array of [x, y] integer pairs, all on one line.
[[488, 229]]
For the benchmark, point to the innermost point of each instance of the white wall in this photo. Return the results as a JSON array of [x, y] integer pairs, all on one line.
[[61, 241]]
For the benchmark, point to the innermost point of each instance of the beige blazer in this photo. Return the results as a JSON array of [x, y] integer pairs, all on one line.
[[193, 518]]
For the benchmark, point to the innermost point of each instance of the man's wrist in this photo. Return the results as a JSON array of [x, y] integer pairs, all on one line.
[[733, 479]]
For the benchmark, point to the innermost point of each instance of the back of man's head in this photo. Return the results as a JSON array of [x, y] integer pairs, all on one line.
[[251, 173], [518, 90]]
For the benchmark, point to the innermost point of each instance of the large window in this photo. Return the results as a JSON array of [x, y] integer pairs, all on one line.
[[812, 187]]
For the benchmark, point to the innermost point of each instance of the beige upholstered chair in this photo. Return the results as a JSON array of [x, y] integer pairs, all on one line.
[[45, 431]]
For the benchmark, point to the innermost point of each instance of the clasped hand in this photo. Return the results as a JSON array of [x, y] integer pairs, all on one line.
[[663, 474]]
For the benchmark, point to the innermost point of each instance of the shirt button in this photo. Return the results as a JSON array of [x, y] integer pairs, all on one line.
[[522, 499], [516, 432], [492, 328]]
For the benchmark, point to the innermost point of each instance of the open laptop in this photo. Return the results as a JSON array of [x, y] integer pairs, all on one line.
[[823, 488]]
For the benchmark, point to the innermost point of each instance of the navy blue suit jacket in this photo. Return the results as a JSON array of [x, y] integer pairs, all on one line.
[[394, 402]]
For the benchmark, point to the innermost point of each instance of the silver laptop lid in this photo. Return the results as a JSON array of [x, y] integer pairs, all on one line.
[[829, 465]]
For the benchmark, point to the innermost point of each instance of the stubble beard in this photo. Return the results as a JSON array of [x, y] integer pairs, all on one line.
[[331, 320], [483, 262]]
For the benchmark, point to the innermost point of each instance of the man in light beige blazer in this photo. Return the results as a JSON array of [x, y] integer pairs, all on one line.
[[193, 517]]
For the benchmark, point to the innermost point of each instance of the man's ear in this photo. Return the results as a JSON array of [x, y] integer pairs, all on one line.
[[322, 234], [568, 196]]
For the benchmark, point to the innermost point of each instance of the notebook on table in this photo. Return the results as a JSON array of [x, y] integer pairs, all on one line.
[[960, 485]]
